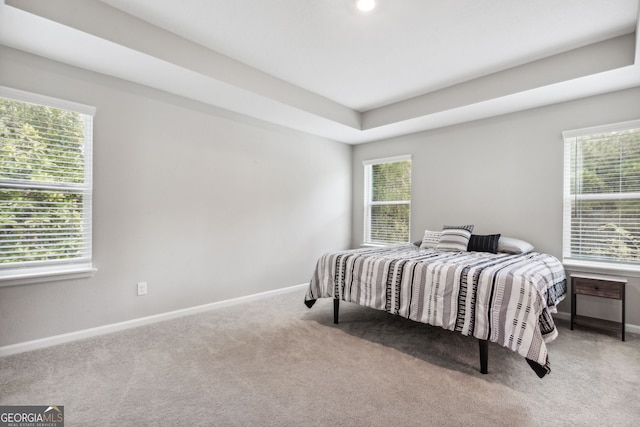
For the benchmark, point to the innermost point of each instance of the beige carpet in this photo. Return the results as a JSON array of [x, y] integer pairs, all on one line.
[[276, 363]]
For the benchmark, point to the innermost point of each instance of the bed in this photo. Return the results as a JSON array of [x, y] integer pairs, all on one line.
[[505, 298]]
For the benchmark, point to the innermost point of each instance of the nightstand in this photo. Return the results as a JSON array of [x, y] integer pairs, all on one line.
[[597, 286]]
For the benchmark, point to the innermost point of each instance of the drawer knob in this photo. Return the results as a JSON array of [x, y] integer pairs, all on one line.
[[597, 288]]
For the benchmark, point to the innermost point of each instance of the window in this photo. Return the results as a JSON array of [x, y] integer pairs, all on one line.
[[602, 195], [387, 200], [45, 186]]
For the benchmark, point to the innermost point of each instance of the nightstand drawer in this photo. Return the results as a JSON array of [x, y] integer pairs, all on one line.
[[598, 288]]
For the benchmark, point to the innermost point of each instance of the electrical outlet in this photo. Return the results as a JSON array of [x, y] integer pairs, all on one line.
[[142, 288]]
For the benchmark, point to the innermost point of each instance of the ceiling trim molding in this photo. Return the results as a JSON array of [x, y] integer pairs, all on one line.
[[88, 34]]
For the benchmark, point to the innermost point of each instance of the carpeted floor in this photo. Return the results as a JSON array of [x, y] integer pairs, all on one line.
[[276, 363]]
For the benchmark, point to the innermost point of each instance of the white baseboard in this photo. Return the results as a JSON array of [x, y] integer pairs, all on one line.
[[628, 327], [134, 323]]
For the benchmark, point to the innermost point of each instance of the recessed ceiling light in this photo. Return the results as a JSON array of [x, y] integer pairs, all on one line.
[[365, 5]]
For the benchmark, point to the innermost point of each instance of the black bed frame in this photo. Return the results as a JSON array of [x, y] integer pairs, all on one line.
[[484, 344]]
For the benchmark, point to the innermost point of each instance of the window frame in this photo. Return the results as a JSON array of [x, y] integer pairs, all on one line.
[[26, 272], [575, 261], [369, 203]]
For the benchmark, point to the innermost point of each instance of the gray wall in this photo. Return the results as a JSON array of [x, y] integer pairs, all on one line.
[[202, 204], [186, 195], [504, 175]]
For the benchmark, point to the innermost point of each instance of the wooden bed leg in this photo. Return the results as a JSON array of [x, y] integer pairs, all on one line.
[[484, 355], [336, 309]]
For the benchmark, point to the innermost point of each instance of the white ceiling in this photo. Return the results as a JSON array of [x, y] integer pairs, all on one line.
[[403, 49], [321, 67]]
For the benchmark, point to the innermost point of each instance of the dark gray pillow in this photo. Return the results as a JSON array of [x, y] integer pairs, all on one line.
[[484, 243], [469, 228]]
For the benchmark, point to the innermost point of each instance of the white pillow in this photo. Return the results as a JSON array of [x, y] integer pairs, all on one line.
[[454, 239], [430, 239], [514, 246]]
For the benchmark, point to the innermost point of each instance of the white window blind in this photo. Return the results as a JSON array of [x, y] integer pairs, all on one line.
[[602, 194], [45, 185], [387, 189]]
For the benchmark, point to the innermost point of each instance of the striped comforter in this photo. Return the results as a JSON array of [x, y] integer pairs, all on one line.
[[506, 299]]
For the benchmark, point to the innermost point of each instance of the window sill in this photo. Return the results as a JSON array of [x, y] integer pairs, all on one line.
[[602, 268], [372, 245], [25, 276], [380, 245]]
